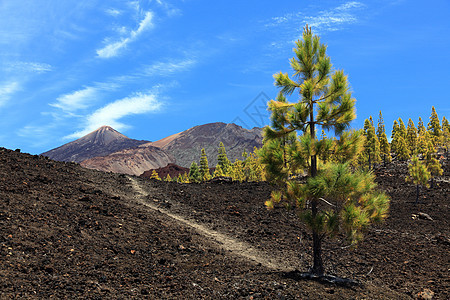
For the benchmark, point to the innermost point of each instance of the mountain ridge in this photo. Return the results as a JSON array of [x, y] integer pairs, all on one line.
[[100, 142]]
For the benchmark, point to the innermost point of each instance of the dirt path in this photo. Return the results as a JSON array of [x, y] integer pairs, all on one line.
[[236, 247]]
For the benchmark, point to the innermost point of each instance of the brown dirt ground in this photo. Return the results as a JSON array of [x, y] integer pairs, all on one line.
[[70, 232]]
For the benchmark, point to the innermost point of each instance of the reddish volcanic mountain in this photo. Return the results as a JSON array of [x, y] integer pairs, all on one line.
[[100, 142], [134, 161], [186, 146], [171, 169]]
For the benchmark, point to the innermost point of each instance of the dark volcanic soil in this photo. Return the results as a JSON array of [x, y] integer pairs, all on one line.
[[70, 232]]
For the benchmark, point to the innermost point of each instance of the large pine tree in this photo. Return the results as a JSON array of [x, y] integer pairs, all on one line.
[[324, 101]]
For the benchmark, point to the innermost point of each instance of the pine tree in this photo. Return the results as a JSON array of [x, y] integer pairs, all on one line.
[[237, 171], [445, 135], [185, 178], [328, 144], [385, 149], [218, 172], [204, 168], [418, 174], [168, 178], [222, 160], [411, 137], [180, 178], [434, 127], [420, 126], [394, 136], [194, 173], [434, 168], [325, 100], [398, 144], [371, 145], [432, 163], [401, 128], [154, 175], [402, 149], [422, 142]]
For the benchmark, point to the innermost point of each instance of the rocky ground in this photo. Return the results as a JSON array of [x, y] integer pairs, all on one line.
[[68, 232]]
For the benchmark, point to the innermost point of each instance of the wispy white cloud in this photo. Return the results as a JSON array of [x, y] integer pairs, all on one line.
[[168, 68], [159, 69], [83, 98], [113, 12], [169, 9], [326, 20], [113, 48], [76, 100], [29, 67], [334, 19], [7, 90], [112, 113]]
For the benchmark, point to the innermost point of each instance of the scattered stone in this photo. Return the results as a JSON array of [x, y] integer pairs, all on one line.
[[425, 216], [425, 294]]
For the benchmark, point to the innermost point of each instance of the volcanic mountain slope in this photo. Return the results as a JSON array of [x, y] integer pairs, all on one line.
[[186, 146], [134, 161], [103, 141], [69, 232], [171, 169]]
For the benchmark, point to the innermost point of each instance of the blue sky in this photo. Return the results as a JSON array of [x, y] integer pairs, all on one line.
[[154, 68]]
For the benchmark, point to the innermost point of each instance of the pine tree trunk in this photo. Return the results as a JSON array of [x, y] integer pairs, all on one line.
[[317, 246], [317, 242]]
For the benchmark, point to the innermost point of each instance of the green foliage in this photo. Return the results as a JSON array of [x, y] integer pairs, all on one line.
[[168, 178], [402, 149], [398, 144], [223, 163], [423, 141], [371, 144], [434, 127], [420, 127], [394, 136], [411, 137], [154, 175], [326, 102], [204, 168], [194, 173], [401, 128], [385, 148], [418, 172], [434, 166], [445, 134]]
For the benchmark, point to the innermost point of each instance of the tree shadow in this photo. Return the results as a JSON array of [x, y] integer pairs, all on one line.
[[324, 279]]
